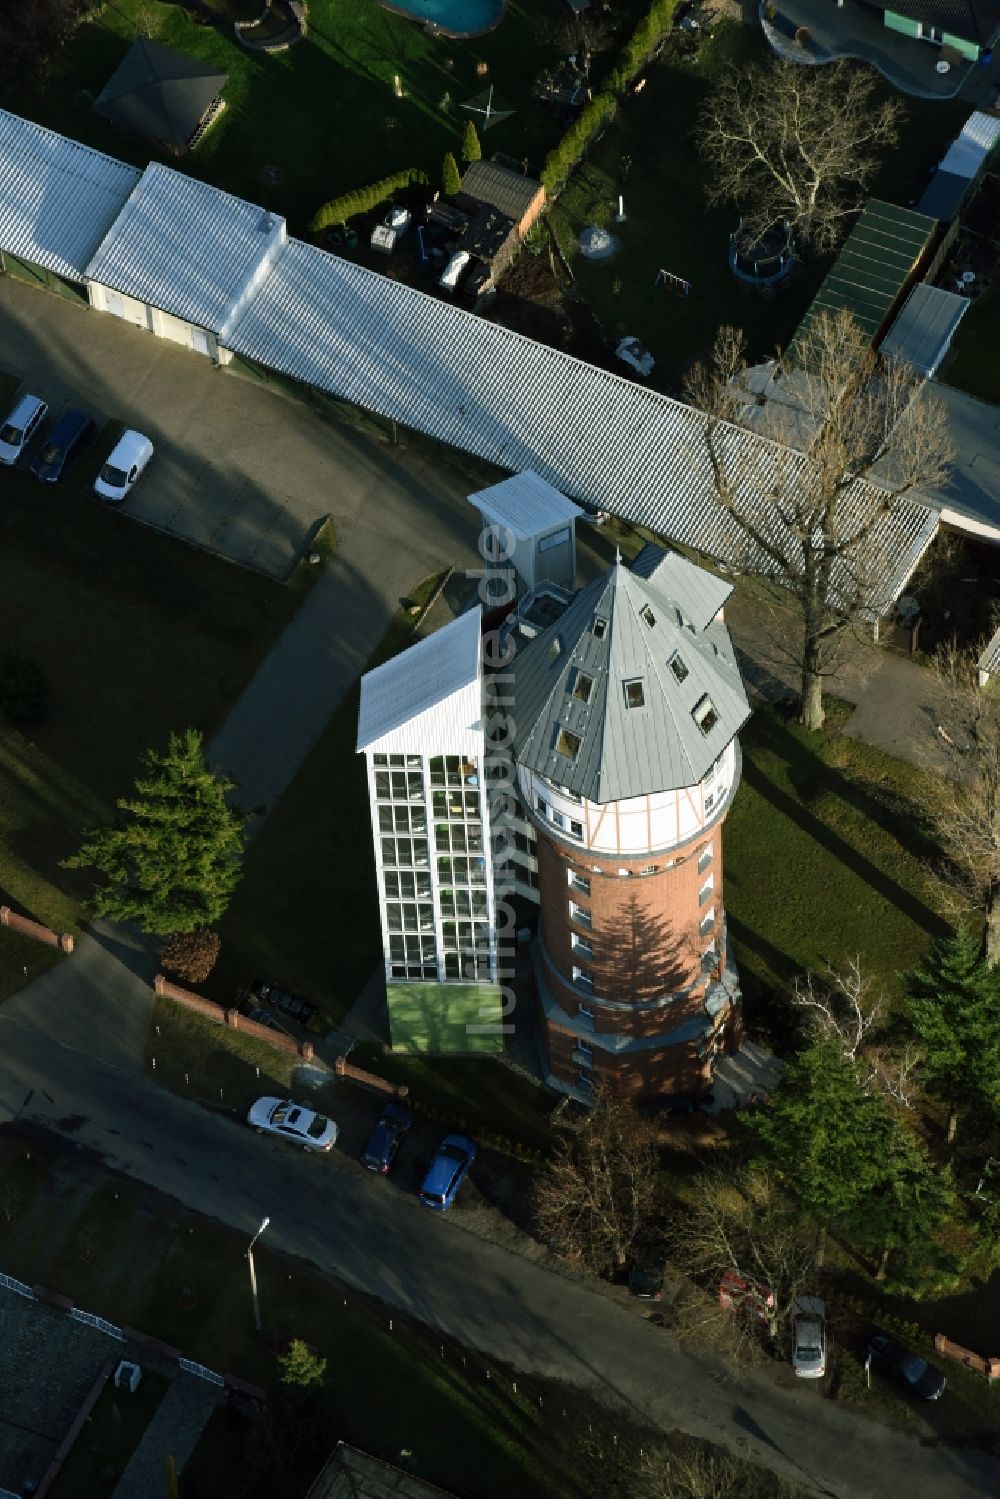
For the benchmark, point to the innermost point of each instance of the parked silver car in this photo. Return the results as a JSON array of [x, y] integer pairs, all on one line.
[[809, 1347], [20, 426]]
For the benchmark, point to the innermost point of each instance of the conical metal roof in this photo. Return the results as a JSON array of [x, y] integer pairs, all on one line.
[[625, 695]]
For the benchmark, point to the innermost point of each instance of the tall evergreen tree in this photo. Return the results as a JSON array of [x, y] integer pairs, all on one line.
[[954, 1007], [172, 859], [900, 1223], [451, 181], [820, 1132], [471, 149]]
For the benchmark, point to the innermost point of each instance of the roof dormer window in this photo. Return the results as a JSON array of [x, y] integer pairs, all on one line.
[[568, 744], [647, 616], [705, 715], [678, 666], [634, 695], [599, 628], [583, 687]]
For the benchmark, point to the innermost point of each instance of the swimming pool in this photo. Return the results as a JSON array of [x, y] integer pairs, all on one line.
[[452, 17]]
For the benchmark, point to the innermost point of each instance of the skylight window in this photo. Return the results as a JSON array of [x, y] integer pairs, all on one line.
[[634, 695], [678, 666], [705, 715], [599, 627], [568, 744], [647, 616], [583, 687]]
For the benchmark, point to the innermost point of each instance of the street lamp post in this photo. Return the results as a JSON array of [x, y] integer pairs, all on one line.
[[253, 1273]]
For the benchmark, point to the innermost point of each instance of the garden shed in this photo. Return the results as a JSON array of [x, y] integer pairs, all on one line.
[[520, 198], [876, 266], [162, 95], [923, 330]]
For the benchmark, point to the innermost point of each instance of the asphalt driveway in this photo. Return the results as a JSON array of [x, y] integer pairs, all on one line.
[[239, 468], [360, 1228]]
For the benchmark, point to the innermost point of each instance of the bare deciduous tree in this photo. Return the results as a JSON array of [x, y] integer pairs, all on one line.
[[597, 1191], [848, 437], [848, 1006], [746, 1223], [798, 144], [965, 809]]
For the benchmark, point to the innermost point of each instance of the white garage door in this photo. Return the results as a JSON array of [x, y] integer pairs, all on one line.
[[127, 308], [168, 326]]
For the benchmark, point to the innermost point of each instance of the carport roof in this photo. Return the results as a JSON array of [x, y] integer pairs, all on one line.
[[57, 197], [925, 327], [188, 248], [874, 264]]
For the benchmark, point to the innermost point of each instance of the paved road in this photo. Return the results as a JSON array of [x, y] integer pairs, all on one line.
[[376, 1238]]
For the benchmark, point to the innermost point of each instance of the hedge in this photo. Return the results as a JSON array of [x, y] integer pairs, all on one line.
[[339, 210], [602, 108]]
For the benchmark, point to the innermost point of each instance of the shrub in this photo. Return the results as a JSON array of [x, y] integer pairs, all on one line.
[[596, 114], [471, 149], [24, 690], [451, 181], [190, 956], [363, 199]]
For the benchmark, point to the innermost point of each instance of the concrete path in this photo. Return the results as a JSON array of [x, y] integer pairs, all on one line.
[[178, 1422], [376, 1237]]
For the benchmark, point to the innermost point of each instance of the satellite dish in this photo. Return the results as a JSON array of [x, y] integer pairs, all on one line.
[[490, 110]]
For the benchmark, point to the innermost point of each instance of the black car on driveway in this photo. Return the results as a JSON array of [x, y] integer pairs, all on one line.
[[386, 1138], [909, 1369], [72, 431]]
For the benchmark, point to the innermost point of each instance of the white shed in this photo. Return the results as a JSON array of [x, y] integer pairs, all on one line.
[[183, 259], [528, 528]]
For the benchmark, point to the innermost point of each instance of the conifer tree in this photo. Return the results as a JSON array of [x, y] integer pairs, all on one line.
[[471, 149], [451, 182], [954, 1008], [172, 858]]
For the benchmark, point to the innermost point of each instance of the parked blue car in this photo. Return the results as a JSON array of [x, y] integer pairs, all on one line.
[[71, 432], [448, 1171], [386, 1138]]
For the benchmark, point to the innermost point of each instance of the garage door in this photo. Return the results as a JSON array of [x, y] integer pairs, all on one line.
[[168, 326], [127, 308]]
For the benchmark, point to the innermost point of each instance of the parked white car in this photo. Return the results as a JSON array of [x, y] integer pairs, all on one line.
[[809, 1349], [123, 466], [294, 1122], [20, 426]]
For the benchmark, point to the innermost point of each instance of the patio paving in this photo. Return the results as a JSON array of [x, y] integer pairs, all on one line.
[[852, 30]]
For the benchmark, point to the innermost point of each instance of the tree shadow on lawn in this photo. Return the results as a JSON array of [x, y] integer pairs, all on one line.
[[811, 777]]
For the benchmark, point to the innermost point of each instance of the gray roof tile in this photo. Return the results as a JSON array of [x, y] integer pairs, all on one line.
[[625, 750]]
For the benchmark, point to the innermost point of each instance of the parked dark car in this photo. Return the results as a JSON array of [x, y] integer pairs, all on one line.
[[918, 1376], [645, 1281], [386, 1138], [68, 436]]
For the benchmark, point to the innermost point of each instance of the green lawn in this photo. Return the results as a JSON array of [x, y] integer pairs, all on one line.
[[478, 1094], [445, 1018], [112, 1432], [825, 858], [324, 112], [975, 367], [669, 226], [137, 635]]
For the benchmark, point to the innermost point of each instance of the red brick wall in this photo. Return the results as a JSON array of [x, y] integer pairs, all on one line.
[[646, 942]]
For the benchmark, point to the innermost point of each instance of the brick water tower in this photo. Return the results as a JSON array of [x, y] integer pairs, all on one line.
[[624, 721]]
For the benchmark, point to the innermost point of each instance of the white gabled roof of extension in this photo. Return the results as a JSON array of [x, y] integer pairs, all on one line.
[[698, 594], [188, 248], [526, 504], [487, 390], [57, 197], [428, 699], [970, 148], [632, 728]]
